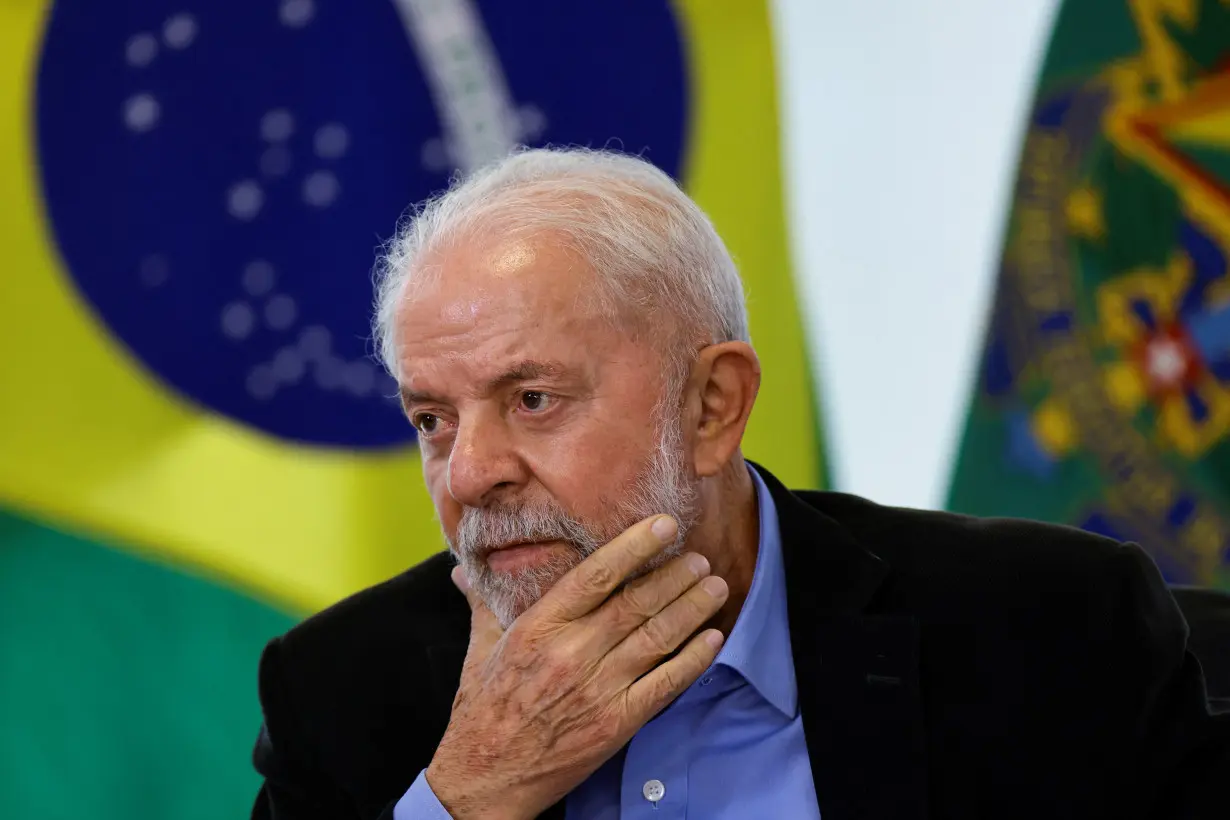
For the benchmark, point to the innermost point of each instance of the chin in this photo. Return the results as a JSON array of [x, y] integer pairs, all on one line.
[[508, 606], [509, 594]]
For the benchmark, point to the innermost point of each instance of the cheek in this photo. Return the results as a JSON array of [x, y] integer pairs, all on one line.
[[592, 472], [435, 476]]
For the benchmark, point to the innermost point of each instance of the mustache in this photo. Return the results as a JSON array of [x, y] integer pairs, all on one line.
[[482, 530]]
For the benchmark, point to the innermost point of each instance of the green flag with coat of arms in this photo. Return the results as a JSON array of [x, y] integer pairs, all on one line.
[[1103, 395]]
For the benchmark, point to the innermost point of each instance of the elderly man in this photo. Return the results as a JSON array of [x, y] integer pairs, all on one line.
[[636, 622]]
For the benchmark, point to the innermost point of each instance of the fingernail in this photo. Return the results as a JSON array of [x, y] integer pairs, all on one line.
[[665, 528], [714, 638], [714, 585], [697, 564], [459, 578]]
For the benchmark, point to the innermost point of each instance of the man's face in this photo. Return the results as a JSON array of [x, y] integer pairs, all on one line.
[[536, 418]]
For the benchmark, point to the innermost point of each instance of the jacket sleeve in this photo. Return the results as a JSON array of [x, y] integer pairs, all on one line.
[[1179, 764], [293, 788]]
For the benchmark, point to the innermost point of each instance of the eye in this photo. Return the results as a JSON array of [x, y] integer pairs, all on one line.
[[426, 423], [535, 401]]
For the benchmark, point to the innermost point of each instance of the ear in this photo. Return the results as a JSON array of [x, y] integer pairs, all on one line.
[[724, 381]]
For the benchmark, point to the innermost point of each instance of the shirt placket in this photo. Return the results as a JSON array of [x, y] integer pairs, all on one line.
[[655, 774]]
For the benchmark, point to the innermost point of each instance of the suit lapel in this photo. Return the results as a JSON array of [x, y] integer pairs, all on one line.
[[857, 671]]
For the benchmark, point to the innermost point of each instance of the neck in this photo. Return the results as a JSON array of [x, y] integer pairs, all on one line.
[[728, 534]]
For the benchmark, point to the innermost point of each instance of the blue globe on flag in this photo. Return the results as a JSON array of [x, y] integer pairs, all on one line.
[[256, 154]]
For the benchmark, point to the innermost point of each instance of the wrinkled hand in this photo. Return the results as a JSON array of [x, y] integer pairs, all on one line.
[[545, 703]]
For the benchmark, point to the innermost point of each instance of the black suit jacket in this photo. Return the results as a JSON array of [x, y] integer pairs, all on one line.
[[948, 667]]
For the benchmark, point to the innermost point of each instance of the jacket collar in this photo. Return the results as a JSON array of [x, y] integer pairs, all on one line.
[[857, 670]]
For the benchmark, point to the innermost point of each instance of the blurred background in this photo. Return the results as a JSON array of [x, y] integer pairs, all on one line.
[[901, 125], [984, 247]]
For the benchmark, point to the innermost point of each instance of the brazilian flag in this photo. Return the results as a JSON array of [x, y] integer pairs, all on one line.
[[1103, 399], [197, 447]]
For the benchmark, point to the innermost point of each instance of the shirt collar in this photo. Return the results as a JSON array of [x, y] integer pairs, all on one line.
[[758, 648]]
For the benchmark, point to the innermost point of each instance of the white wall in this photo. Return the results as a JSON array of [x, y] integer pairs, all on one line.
[[902, 125]]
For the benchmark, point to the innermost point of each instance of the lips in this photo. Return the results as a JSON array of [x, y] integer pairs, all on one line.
[[519, 555], [489, 551]]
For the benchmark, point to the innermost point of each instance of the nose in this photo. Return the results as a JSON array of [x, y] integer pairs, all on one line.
[[483, 463]]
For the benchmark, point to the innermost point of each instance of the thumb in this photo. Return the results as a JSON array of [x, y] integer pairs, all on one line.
[[485, 628]]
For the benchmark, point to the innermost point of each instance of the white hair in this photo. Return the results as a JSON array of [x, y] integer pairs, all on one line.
[[665, 484], [652, 248]]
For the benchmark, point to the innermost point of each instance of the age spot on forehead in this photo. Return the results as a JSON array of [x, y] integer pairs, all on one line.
[[511, 258]]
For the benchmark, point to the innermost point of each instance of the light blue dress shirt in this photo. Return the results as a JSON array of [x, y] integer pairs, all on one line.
[[731, 746]]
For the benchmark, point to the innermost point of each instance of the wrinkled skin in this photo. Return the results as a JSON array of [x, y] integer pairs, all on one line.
[[524, 397]]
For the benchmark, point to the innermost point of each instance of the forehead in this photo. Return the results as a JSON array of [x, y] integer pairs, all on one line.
[[515, 271], [476, 306]]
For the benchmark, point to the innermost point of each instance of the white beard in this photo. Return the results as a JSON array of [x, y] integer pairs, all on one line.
[[665, 485]]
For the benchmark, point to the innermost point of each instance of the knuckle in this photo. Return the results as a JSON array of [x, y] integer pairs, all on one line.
[[656, 634], [600, 576], [523, 643], [553, 655], [669, 683], [638, 600], [515, 639]]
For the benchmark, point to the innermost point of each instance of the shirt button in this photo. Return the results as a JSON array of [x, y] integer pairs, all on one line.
[[706, 680], [654, 790]]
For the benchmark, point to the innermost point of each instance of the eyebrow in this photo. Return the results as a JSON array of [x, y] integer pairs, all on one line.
[[523, 371]]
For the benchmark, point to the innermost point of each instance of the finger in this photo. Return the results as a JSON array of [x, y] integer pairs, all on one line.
[[662, 634], [655, 691], [592, 581], [638, 601], [485, 629]]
